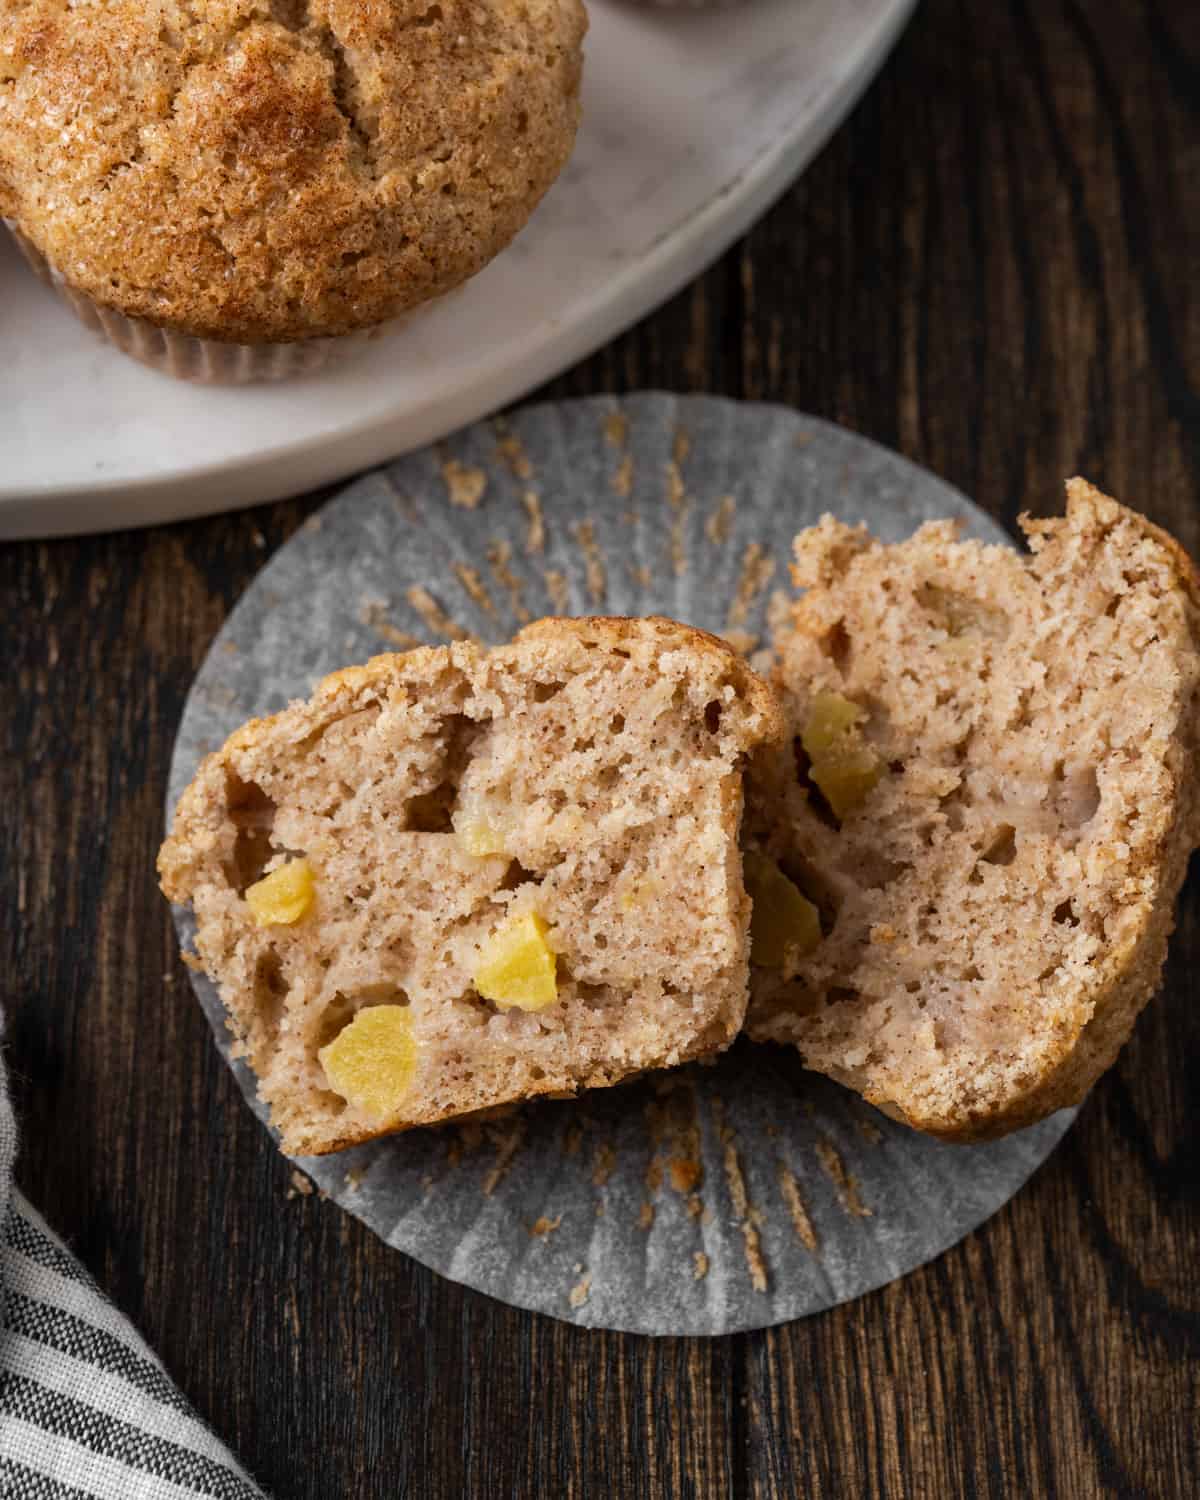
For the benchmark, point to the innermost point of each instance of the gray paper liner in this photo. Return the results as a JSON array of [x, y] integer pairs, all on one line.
[[706, 1201]]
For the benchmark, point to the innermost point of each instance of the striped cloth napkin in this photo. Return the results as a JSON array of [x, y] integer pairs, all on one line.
[[86, 1410]]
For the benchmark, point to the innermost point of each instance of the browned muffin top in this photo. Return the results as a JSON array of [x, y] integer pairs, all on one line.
[[261, 170]]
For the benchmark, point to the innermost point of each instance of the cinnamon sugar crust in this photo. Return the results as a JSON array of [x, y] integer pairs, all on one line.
[[273, 170]]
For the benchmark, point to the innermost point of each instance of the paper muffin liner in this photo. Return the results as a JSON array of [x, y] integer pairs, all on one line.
[[204, 361], [701, 1201]]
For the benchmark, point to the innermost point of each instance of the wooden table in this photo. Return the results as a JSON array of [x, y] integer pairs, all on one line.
[[992, 268]]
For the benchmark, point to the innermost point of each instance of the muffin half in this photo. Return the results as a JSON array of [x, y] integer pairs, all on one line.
[[458, 878], [965, 867]]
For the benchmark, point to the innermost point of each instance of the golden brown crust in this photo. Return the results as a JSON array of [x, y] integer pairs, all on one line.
[[271, 170], [329, 694], [1082, 496], [672, 635]]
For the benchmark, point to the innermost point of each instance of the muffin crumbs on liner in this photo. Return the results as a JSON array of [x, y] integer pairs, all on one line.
[[475, 587], [557, 588], [797, 1211], [678, 549], [535, 538], [300, 1186], [512, 450], [744, 1212], [604, 1164], [844, 1184], [499, 556], [593, 560], [508, 1137], [676, 490], [434, 616], [465, 486], [868, 1129], [719, 523], [757, 571], [373, 613]]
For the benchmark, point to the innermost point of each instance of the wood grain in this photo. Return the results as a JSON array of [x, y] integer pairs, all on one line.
[[992, 267]]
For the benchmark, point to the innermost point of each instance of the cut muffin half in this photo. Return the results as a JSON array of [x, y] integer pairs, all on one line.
[[965, 865], [456, 878]]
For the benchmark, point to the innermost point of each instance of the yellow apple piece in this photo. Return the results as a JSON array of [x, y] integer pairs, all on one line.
[[371, 1061], [783, 921], [844, 767], [517, 966], [283, 896]]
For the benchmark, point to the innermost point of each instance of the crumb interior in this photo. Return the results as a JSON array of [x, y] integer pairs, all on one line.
[[1031, 719], [607, 778]]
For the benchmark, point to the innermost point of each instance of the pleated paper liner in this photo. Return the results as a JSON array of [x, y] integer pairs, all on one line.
[[185, 357], [705, 1201]]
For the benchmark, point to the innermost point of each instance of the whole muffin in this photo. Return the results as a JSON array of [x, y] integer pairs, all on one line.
[[231, 189]]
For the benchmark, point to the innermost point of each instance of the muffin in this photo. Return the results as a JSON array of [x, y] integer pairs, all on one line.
[[458, 878], [235, 189], [965, 874]]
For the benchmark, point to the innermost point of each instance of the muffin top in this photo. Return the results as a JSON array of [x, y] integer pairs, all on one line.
[[271, 170]]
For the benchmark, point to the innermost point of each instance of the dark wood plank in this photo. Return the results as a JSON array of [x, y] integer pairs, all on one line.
[[1026, 323], [992, 268]]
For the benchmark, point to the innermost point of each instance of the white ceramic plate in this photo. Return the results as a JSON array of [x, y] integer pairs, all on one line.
[[694, 122]]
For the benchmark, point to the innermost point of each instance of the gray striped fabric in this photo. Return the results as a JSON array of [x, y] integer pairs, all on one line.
[[86, 1410]]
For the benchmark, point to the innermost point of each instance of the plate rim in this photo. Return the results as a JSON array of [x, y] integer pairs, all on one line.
[[309, 461]]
